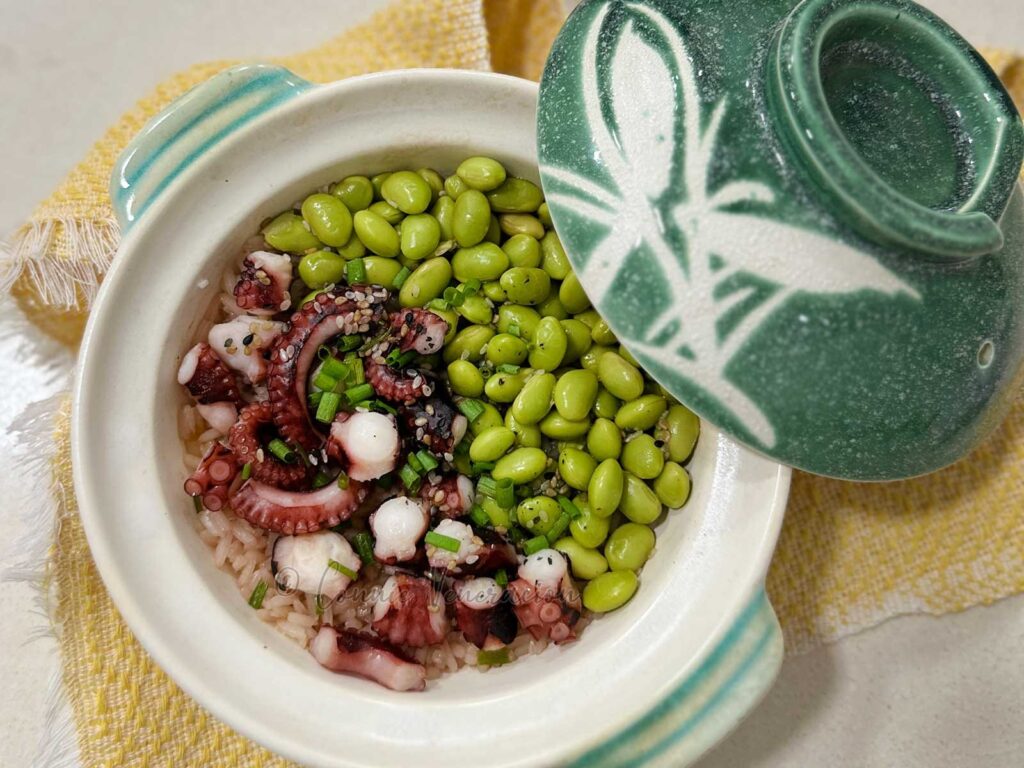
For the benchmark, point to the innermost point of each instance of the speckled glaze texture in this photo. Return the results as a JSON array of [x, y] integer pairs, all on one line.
[[803, 219]]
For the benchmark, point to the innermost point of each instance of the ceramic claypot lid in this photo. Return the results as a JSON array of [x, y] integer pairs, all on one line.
[[802, 219]]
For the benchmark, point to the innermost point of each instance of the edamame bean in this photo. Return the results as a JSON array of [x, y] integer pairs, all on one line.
[[494, 291], [605, 488], [544, 214], [506, 349], [672, 485], [575, 393], [521, 466], [642, 413], [639, 503], [538, 513], [576, 467], [588, 529], [552, 307], [629, 547], [549, 344], [525, 319], [586, 563], [521, 224], [619, 377], [601, 333], [503, 387], [434, 180], [604, 440], [288, 232], [609, 591], [683, 429], [469, 343], [522, 251], [526, 285], [515, 196], [328, 219], [421, 235], [607, 405], [557, 427], [471, 218], [554, 262], [465, 379], [481, 173], [572, 295], [493, 231], [589, 318], [491, 417], [444, 212], [321, 268], [388, 212], [500, 517], [356, 192], [353, 249], [642, 457], [577, 337], [491, 444], [527, 435], [534, 401], [628, 357], [592, 357], [476, 309], [376, 234], [483, 262], [407, 191], [381, 271], [426, 282], [377, 182]]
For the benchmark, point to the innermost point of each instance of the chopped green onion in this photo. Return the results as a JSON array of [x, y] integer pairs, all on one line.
[[323, 351], [454, 297], [343, 570], [197, 503], [319, 603], [348, 343], [559, 527], [471, 287], [280, 449], [507, 368], [356, 364], [401, 277], [342, 480], [514, 329], [471, 409], [493, 658], [428, 461], [258, 593], [398, 359], [329, 404], [505, 493], [536, 544], [410, 478], [501, 577], [314, 399], [381, 405], [364, 546], [479, 517], [569, 508], [480, 467], [247, 470], [321, 479], [487, 486], [359, 393], [515, 534], [334, 368], [324, 382], [441, 541], [355, 272], [414, 462]]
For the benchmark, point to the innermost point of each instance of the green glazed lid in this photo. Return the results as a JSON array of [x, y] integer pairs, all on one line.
[[802, 218]]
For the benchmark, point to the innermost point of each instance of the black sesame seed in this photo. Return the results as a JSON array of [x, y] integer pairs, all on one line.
[[247, 340]]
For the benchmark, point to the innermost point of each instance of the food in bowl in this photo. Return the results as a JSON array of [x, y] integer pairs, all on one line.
[[413, 442]]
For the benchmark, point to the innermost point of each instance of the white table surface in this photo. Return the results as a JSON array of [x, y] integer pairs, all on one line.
[[915, 692]]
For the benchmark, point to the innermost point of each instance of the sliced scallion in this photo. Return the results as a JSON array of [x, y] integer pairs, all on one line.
[[501, 577], [505, 493], [493, 658], [355, 364], [569, 508], [439, 540], [348, 343], [343, 569], [324, 382], [258, 593], [328, 407], [536, 544], [471, 409], [401, 277], [359, 393], [380, 405], [355, 272], [321, 479], [410, 478], [559, 527], [314, 399], [364, 546], [282, 451], [247, 470], [480, 467], [334, 368], [479, 517], [507, 368], [427, 461], [414, 462], [487, 486]]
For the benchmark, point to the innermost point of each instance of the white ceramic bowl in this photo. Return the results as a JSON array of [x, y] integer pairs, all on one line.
[[655, 683]]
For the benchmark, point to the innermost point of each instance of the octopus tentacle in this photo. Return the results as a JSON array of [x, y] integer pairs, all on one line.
[[419, 330], [361, 654], [451, 496], [435, 424], [317, 321], [401, 386], [207, 377], [212, 479], [291, 512], [245, 442], [410, 612], [484, 614], [263, 284]]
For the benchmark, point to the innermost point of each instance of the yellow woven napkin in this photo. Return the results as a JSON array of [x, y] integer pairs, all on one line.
[[850, 555]]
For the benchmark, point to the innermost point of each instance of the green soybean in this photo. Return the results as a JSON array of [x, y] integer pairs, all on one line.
[[673, 485], [544, 214], [407, 191], [586, 563], [607, 405], [469, 343], [643, 457], [589, 317], [606, 487], [522, 251], [592, 357], [525, 319], [356, 192], [321, 268], [454, 186], [554, 262], [328, 219], [491, 444], [538, 513], [552, 307], [619, 377], [575, 393], [476, 309], [494, 291], [609, 591], [639, 503], [288, 232], [629, 547], [388, 212], [526, 285], [421, 235], [572, 295], [506, 349], [576, 467], [534, 400], [521, 224], [577, 338], [521, 466], [683, 429], [353, 249], [642, 413], [503, 387], [471, 218], [628, 357], [602, 334], [483, 262], [444, 212], [493, 232], [527, 435], [465, 378], [482, 173], [427, 282], [378, 182], [491, 417], [604, 440], [557, 427], [381, 271], [548, 346], [515, 195], [376, 234], [500, 517]]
